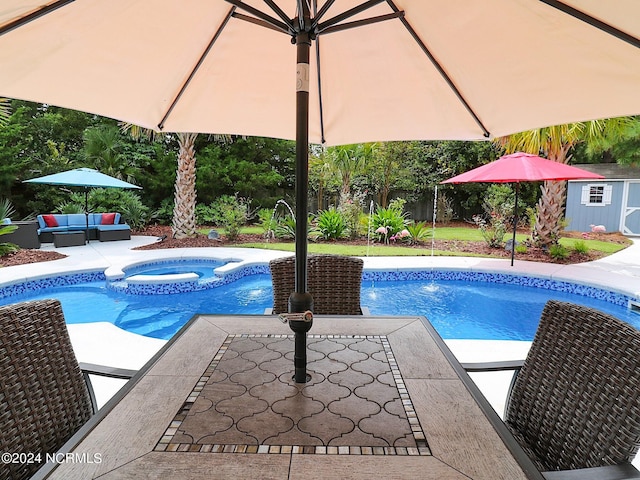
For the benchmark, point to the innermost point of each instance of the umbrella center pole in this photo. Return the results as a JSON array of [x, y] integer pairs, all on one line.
[[300, 300]]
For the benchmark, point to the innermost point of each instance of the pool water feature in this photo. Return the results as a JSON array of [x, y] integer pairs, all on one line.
[[460, 304]]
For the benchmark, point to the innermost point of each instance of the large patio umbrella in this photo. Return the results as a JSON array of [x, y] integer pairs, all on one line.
[[521, 167], [361, 70], [86, 178]]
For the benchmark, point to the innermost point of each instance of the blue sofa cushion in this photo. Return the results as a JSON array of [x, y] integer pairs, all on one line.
[[77, 220], [115, 226]]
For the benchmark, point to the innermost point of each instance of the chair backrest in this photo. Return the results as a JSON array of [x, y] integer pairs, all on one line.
[[334, 281], [43, 397], [576, 402]]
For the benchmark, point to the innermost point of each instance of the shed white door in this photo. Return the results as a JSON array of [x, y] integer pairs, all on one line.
[[631, 209]]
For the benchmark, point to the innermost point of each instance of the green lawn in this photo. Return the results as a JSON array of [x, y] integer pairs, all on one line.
[[470, 234]]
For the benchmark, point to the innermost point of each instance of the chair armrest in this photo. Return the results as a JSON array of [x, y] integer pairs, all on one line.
[[505, 365], [612, 472], [493, 366], [106, 371], [103, 371]]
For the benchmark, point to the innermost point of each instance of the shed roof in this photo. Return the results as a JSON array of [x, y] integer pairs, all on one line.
[[612, 171]]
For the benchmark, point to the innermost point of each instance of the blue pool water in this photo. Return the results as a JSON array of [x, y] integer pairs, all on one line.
[[459, 309]]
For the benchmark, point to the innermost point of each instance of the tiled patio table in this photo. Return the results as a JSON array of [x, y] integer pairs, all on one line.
[[386, 399]]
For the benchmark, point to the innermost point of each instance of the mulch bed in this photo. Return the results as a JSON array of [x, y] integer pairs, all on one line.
[[163, 233], [479, 248], [27, 255]]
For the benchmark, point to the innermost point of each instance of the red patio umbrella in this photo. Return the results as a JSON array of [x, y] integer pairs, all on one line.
[[521, 167]]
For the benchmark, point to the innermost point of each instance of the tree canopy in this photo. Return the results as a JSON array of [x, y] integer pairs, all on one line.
[[38, 139]]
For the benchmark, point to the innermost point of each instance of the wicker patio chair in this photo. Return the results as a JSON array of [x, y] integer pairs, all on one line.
[[44, 397], [334, 282], [575, 402]]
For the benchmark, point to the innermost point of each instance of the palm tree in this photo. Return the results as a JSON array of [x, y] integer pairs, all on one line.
[[320, 169], [348, 160], [184, 208], [103, 147], [555, 143], [183, 224]]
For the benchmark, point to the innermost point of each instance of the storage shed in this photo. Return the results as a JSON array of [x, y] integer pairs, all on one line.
[[613, 201]]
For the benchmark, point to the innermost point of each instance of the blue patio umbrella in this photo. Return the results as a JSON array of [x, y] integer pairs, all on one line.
[[85, 178]]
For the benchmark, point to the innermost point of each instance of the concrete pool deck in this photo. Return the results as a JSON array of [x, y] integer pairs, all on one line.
[[104, 343]]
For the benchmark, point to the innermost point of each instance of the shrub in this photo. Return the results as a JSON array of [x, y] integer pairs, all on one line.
[[558, 252], [164, 214], [531, 214], [285, 227], [493, 231], [135, 213], [231, 212], [6, 209], [6, 247], [70, 207], [388, 221], [205, 214], [498, 208], [418, 232], [580, 247], [128, 203], [267, 222], [331, 224], [520, 248], [444, 209], [351, 209]]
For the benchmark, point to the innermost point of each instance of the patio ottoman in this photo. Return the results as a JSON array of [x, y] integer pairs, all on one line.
[[69, 239], [108, 233]]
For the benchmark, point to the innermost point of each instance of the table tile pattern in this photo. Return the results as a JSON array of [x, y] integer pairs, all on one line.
[[246, 401]]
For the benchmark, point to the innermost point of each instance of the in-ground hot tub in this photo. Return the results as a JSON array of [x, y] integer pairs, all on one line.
[[166, 276]]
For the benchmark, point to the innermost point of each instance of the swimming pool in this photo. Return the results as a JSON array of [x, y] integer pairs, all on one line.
[[461, 305]]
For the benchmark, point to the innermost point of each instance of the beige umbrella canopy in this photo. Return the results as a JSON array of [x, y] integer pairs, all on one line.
[[421, 74], [359, 70]]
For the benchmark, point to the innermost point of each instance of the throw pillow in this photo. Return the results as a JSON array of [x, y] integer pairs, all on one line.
[[108, 218], [50, 220]]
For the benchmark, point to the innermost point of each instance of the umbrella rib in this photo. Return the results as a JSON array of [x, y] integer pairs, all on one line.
[[257, 21], [320, 105], [349, 13], [441, 70], [321, 13], [317, 15], [33, 15], [286, 28], [594, 22], [360, 23], [302, 8], [197, 67], [280, 13]]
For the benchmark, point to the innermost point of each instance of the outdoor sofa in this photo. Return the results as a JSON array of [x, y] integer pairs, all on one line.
[[102, 226], [25, 235]]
